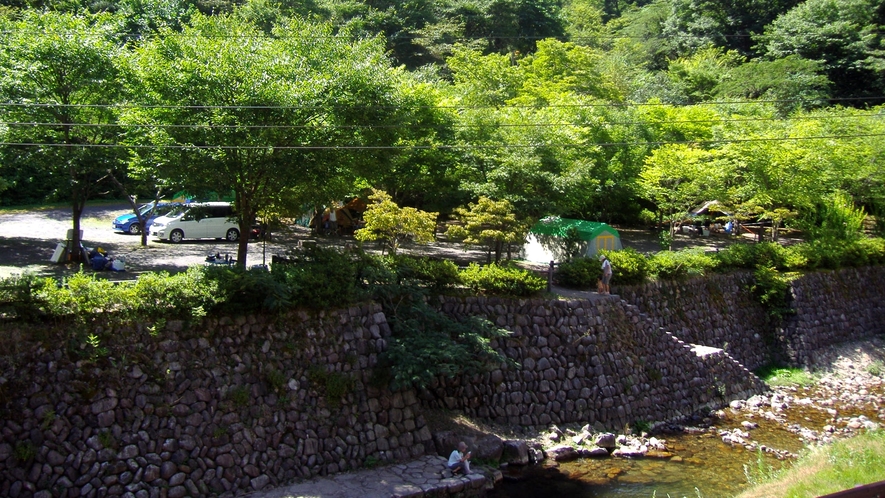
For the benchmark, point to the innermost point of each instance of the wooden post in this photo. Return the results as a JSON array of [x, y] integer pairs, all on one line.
[[550, 277]]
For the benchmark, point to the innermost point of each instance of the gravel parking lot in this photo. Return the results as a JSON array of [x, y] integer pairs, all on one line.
[[29, 237]]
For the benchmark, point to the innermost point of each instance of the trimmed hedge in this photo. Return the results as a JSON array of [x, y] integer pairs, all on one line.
[[504, 280]]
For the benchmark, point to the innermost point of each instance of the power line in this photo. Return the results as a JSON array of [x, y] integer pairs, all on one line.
[[199, 126], [456, 107], [443, 147]]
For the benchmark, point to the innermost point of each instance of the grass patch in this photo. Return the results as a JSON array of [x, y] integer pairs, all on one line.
[[827, 469], [781, 376]]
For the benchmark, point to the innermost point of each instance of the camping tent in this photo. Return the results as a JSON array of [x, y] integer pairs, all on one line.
[[547, 239]]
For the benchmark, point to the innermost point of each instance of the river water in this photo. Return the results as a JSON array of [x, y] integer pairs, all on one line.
[[697, 462]]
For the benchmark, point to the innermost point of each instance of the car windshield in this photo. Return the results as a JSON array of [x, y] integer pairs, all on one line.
[[176, 211], [145, 209]]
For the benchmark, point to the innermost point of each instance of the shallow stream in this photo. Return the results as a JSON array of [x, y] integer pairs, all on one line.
[[697, 462]]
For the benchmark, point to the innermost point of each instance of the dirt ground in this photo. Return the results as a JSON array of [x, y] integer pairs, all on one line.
[[29, 237]]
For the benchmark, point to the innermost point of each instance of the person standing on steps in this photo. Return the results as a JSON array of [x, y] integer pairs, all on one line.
[[606, 274], [459, 461]]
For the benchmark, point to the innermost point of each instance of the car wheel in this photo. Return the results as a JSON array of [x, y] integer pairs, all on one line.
[[135, 229], [233, 235], [176, 236]]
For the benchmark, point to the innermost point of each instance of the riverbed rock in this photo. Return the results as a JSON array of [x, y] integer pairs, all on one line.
[[562, 453]]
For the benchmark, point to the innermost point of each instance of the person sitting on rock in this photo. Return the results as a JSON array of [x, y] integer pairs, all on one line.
[[459, 461]]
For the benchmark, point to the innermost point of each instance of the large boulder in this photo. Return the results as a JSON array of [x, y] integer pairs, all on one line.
[[515, 453], [607, 441], [488, 448], [563, 453]]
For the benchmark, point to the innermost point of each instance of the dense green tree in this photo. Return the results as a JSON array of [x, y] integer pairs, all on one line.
[[680, 177], [274, 119], [694, 24], [842, 35], [792, 83], [58, 83], [395, 225], [491, 224]]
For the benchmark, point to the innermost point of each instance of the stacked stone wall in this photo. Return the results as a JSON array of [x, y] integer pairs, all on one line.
[[599, 362], [717, 311], [226, 406], [830, 307], [230, 405]]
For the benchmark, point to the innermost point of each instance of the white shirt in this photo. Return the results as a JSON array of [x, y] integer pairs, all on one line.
[[455, 457]]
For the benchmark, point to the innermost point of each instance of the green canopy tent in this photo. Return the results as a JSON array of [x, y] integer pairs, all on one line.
[[548, 239]]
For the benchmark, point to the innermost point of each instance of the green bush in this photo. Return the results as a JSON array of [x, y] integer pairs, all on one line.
[[320, 277], [675, 265], [426, 344], [772, 289], [426, 272], [187, 293], [579, 273], [749, 256], [629, 266], [246, 291], [19, 296], [502, 280]]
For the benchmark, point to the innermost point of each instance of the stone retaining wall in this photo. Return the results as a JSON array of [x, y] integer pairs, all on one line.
[[222, 407], [832, 307], [230, 405], [716, 311], [719, 311], [599, 362]]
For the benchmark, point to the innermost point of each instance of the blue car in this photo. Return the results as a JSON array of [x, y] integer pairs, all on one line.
[[128, 223]]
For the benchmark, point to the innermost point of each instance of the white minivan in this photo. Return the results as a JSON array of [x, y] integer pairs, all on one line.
[[199, 220]]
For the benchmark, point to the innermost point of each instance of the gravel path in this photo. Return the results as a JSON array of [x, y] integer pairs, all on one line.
[[28, 239]]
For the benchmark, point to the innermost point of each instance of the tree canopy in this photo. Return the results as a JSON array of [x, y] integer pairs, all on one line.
[[593, 109]]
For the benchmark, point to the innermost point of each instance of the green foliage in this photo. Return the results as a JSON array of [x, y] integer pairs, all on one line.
[[837, 219], [318, 276], [240, 396], [332, 384], [24, 451], [19, 297], [436, 274], [749, 256], [579, 273], [824, 470], [82, 296], [106, 438], [427, 344], [276, 379], [677, 265], [488, 223], [395, 225], [629, 266], [782, 376], [503, 280], [772, 289], [244, 291]]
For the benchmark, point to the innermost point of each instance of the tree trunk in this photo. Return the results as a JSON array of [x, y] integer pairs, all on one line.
[[74, 252]]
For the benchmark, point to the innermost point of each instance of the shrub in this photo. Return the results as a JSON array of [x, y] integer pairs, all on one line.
[[427, 344], [675, 265], [187, 293], [579, 273], [19, 296], [772, 289], [749, 256], [502, 280], [629, 266], [426, 272], [320, 276], [244, 291]]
